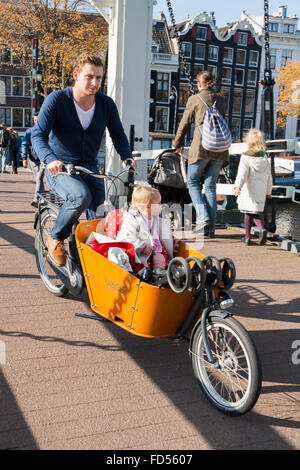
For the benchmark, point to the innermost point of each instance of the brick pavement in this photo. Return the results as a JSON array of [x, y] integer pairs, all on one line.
[[73, 383]]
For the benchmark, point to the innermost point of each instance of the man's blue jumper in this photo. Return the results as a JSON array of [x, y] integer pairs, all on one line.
[[58, 134]]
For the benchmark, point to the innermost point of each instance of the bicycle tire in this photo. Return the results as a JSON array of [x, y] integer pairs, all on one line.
[[52, 283], [232, 387]]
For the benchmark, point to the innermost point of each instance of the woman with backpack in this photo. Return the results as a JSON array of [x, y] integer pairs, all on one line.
[[203, 165]]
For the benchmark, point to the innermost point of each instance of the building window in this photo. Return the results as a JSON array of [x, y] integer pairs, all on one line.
[[273, 58], [213, 70], [187, 49], [243, 39], [241, 57], [27, 118], [162, 87], [225, 93], [200, 33], [27, 87], [252, 78], [289, 28], [17, 86], [183, 96], [285, 56], [250, 101], [5, 85], [197, 69], [247, 124], [5, 56], [161, 119], [253, 58], [236, 129], [239, 77], [200, 51], [17, 117], [5, 116], [227, 55], [237, 101], [182, 69], [273, 27], [213, 52], [226, 75]]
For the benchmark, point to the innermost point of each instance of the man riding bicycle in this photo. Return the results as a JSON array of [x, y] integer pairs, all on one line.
[[69, 129]]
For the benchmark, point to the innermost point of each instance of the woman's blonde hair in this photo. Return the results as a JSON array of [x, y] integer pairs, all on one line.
[[143, 195], [255, 140]]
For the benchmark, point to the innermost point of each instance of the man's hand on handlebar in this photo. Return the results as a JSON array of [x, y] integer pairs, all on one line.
[[55, 167], [130, 161]]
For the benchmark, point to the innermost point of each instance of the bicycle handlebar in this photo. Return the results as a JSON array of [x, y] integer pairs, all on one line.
[[76, 169]]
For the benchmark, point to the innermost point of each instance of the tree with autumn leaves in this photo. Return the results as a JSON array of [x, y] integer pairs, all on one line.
[[64, 29], [289, 94]]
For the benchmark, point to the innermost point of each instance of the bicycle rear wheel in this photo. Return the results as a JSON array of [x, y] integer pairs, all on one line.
[[51, 281]]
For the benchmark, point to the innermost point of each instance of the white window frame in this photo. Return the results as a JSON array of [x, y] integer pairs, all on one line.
[[271, 27], [289, 26], [169, 80], [240, 123], [237, 113], [247, 113], [190, 44], [225, 80], [251, 63], [252, 83], [226, 60], [12, 117], [9, 124], [225, 88], [168, 117], [12, 86], [251, 124], [210, 48], [242, 35], [6, 76], [203, 28], [235, 82], [244, 51], [203, 47]]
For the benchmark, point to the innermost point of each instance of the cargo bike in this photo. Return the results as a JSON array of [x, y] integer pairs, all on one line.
[[188, 300]]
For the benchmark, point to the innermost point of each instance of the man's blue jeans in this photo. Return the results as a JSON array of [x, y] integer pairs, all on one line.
[[205, 204], [81, 193]]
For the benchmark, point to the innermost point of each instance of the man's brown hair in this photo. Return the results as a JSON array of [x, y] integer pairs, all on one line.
[[87, 58]]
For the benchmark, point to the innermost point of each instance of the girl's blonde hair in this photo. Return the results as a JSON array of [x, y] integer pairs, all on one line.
[[143, 195], [255, 140]]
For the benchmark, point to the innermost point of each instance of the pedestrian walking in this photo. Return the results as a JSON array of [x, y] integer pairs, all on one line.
[[253, 184], [69, 129], [31, 159], [13, 149], [203, 165], [4, 142]]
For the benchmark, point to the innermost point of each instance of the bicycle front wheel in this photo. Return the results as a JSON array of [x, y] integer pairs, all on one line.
[[51, 281], [233, 383]]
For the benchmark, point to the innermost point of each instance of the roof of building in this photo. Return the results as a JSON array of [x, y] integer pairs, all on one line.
[[160, 35]]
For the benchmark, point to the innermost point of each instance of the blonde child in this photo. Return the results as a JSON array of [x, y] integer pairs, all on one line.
[[149, 233], [253, 183]]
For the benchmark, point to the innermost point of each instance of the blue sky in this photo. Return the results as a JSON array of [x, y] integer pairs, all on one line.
[[225, 11]]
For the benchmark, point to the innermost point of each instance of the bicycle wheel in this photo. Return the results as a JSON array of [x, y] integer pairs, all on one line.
[[233, 384], [51, 281]]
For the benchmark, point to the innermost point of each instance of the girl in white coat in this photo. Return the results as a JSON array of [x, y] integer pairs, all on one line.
[[253, 184], [149, 233]]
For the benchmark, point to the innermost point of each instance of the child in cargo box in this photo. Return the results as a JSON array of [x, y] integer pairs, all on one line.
[[149, 233]]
